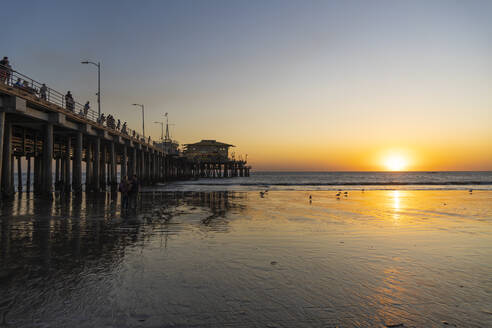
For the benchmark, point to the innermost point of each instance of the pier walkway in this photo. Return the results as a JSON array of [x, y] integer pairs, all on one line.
[[58, 143]]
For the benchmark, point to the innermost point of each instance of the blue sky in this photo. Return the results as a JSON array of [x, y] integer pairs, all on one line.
[[289, 82]]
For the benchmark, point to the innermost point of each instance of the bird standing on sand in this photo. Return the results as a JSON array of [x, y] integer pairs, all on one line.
[[262, 194]]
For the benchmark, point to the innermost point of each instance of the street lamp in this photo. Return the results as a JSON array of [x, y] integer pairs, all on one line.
[[98, 65], [162, 129], [143, 118]]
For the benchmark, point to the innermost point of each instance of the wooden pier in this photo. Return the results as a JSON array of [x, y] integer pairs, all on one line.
[[56, 145]]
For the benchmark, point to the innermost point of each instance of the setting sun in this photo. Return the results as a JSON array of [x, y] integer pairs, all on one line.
[[395, 163]]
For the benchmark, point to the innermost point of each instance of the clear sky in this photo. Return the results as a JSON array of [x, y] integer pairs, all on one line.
[[296, 85]]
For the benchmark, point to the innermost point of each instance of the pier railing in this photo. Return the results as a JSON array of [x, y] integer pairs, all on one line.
[[30, 86]]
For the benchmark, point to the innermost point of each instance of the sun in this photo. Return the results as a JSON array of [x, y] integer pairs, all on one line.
[[395, 163]]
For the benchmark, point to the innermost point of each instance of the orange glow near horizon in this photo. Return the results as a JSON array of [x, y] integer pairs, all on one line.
[[396, 162]]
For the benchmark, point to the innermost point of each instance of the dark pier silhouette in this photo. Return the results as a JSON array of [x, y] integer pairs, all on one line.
[[60, 139]]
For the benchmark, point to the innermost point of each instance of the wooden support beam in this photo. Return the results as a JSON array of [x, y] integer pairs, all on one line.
[[2, 133], [97, 165], [124, 161], [19, 174], [77, 163], [28, 177], [57, 172], [48, 159], [134, 161], [112, 154], [67, 184], [6, 166], [89, 166], [103, 178]]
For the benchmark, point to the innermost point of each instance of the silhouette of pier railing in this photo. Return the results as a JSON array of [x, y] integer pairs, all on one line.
[[55, 97]]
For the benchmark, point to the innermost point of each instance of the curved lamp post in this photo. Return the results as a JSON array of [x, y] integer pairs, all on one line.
[[143, 118], [98, 65]]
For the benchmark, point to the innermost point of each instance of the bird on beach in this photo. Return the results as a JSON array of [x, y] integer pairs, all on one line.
[[338, 195], [262, 194]]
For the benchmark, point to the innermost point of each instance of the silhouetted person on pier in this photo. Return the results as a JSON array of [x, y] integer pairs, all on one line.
[[18, 83], [69, 102], [123, 128], [110, 121], [118, 125], [102, 119], [86, 108], [42, 91], [5, 70]]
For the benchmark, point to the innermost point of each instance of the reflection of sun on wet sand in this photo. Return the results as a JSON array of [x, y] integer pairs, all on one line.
[[283, 258]]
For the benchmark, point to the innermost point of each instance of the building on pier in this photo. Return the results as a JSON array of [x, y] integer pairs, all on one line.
[[207, 149]]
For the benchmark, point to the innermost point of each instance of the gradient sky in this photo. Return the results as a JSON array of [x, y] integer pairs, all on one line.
[[296, 85]]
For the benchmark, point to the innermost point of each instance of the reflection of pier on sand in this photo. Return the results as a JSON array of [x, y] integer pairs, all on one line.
[[49, 248]]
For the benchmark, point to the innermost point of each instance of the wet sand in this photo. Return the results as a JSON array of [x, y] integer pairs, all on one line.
[[215, 259]]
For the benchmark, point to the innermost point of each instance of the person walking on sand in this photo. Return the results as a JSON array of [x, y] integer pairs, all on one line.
[[124, 189], [133, 189]]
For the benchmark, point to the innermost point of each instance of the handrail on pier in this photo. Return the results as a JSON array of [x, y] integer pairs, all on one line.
[[33, 87]]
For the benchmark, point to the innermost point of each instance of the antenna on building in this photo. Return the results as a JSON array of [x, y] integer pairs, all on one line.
[[167, 127]]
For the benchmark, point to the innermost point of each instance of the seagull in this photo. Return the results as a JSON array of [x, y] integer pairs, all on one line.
[[262, 193]]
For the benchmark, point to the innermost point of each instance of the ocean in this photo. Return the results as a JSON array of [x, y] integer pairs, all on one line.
[[342, 180], [276, 180]]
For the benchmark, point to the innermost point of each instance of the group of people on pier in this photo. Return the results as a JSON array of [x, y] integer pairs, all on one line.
[[69, 102], [112, 123], [6, 76]]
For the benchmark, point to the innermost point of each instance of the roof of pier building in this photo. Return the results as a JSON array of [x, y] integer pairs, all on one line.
[[208, 143]]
